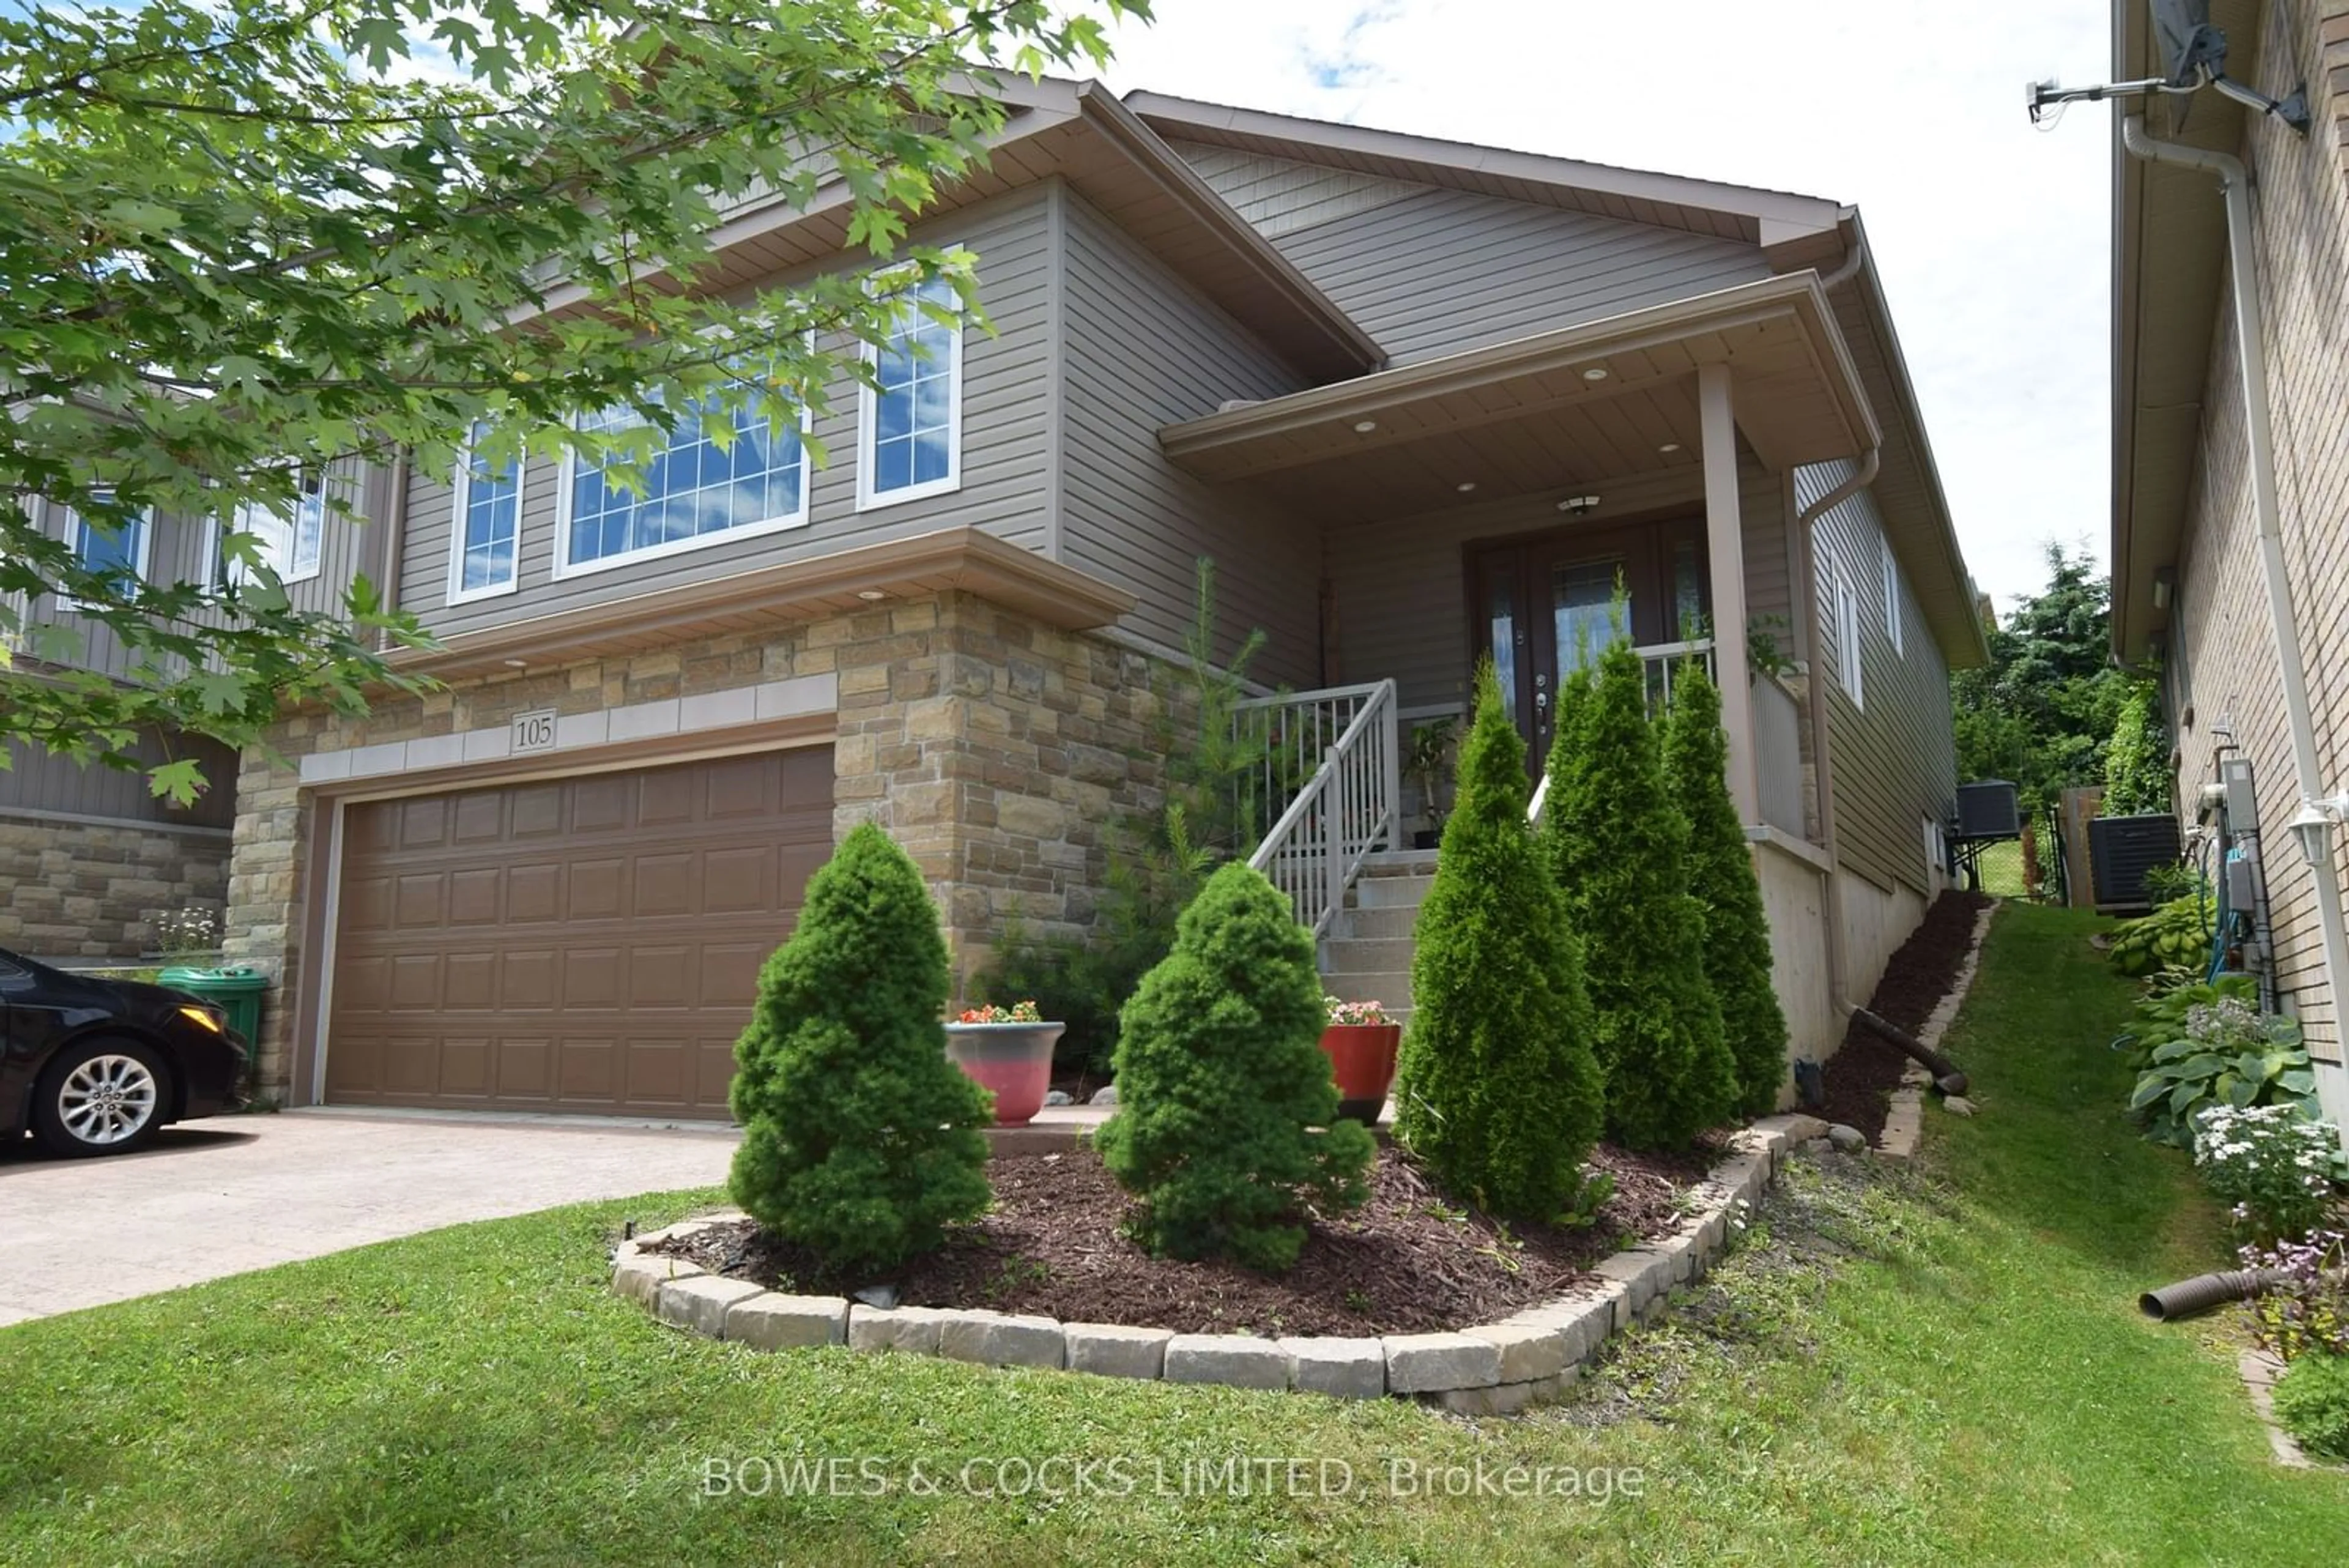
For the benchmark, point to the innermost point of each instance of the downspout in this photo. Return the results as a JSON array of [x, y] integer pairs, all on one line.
[[2317, 815], [1822, 768], [394, 526]]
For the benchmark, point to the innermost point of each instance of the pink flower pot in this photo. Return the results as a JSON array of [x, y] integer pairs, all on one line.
[[1013, 1061], [1363, 1059]]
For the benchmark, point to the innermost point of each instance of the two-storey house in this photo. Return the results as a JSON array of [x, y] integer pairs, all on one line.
[[1420, 402]]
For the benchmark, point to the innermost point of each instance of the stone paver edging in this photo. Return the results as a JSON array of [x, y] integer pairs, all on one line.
[[1905, 1120], [1489, 1369]]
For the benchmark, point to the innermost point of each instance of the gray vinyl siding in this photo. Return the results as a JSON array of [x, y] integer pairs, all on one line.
[[1008, 390], [1279, 195], [1399, 588], [36, 781], [1442, 271], [181, 548], [1143, 351], [1895, 757]]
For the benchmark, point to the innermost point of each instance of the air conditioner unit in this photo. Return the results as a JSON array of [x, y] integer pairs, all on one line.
[[2121, 850], [1989, 809]]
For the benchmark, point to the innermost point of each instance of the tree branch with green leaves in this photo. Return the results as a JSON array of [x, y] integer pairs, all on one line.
[[240, 243]]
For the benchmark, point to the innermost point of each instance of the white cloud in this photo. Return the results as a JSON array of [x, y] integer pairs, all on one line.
[[1993, 239]]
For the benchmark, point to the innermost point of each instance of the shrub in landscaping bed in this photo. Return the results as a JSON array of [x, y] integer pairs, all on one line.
[[1227, 1127], [1498, 1087], [1618, 847], [1721, 874], [2312, 1400], [2272, 1165], [861, 1141]]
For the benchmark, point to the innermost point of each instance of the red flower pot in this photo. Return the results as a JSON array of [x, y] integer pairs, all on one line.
[[1362, 1058], [1013, 1061]]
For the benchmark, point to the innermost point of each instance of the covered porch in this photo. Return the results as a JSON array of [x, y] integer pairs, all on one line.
[[1493, 502]]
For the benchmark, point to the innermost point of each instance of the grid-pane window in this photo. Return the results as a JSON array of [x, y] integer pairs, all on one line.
[[911, 442], [690, 489], [1892, 627], [489, 517], [1846, 615]]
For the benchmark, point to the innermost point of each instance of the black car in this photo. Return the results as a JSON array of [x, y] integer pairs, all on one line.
[[94, 1066]]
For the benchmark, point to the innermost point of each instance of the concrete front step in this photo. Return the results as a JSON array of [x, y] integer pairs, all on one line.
[[1357, 955], [1390, 892], [1356, 925]]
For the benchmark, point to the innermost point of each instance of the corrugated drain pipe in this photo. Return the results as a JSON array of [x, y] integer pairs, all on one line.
[[2315, 812], [1838, 963], [2190, 1298]]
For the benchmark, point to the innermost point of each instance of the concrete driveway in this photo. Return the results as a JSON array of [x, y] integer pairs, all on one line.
[[234, 1193]]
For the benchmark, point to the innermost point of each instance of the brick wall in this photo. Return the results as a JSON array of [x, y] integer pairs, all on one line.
[[87, 890], [2224, 657]]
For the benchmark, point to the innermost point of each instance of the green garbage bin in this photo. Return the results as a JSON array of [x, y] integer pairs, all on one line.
[[236, 989]]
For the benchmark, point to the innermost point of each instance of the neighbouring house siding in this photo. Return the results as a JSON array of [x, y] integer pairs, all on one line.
[[1008, 392], [1442, 271], [1399, 588], [1143, 351], [35, 780], [1893, 753], [182, 550], [2221, 646]]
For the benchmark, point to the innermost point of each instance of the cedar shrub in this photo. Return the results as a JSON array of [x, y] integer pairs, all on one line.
[[1497, 1089], [1618, 846], [861, 1141], [1721, 874], [1226, 1127]]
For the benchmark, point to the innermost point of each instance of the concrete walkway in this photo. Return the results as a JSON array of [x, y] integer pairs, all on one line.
[[234, 1193]]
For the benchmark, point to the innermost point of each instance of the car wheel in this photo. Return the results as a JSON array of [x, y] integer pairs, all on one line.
[[103, 1096]]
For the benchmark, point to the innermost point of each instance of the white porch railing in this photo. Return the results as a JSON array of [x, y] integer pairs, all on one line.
[[1658, 661], [1351, 803]]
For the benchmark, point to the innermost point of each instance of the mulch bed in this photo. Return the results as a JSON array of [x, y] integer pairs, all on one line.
[[1407, 1262], [1863, 1073]]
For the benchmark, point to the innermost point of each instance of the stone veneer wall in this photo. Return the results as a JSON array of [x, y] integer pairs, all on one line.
[[1002, 753], [84, 890]]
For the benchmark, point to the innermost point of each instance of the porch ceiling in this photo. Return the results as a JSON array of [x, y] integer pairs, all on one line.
[[1527, 416]]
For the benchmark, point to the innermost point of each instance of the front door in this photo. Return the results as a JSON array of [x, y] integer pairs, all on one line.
[[1545, 606]]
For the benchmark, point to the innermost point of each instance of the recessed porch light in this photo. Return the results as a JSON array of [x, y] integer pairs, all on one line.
[[1464, 486], [1364, 426], [1595, 373], [1669, 446], [871, 595], [517, 664]]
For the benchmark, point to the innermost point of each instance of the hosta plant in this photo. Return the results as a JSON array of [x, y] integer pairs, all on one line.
[[2308, 1312], [2160, 1017], [2177, 932], [2271, 1164], [2229, 1055]]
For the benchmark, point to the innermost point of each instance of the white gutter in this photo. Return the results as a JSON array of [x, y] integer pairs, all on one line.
[[2313, 823]]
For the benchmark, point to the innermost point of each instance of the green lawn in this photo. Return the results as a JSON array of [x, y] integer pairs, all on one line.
[[1949, 1367]]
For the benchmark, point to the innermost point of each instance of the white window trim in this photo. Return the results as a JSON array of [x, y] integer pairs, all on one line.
[[1849, 669], [565, 476], [145, 553], [868, 428], [1892, 566], [290, 571], [459, 494]]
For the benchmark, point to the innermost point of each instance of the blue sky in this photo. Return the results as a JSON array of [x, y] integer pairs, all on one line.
[[1993, 238]]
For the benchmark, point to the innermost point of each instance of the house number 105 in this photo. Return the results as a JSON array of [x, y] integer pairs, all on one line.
[[534, 732]]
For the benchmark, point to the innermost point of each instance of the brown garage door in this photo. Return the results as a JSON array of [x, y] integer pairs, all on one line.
[[584, 944]]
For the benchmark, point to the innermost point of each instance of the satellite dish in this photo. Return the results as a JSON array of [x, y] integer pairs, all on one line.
[[2190, 46]]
